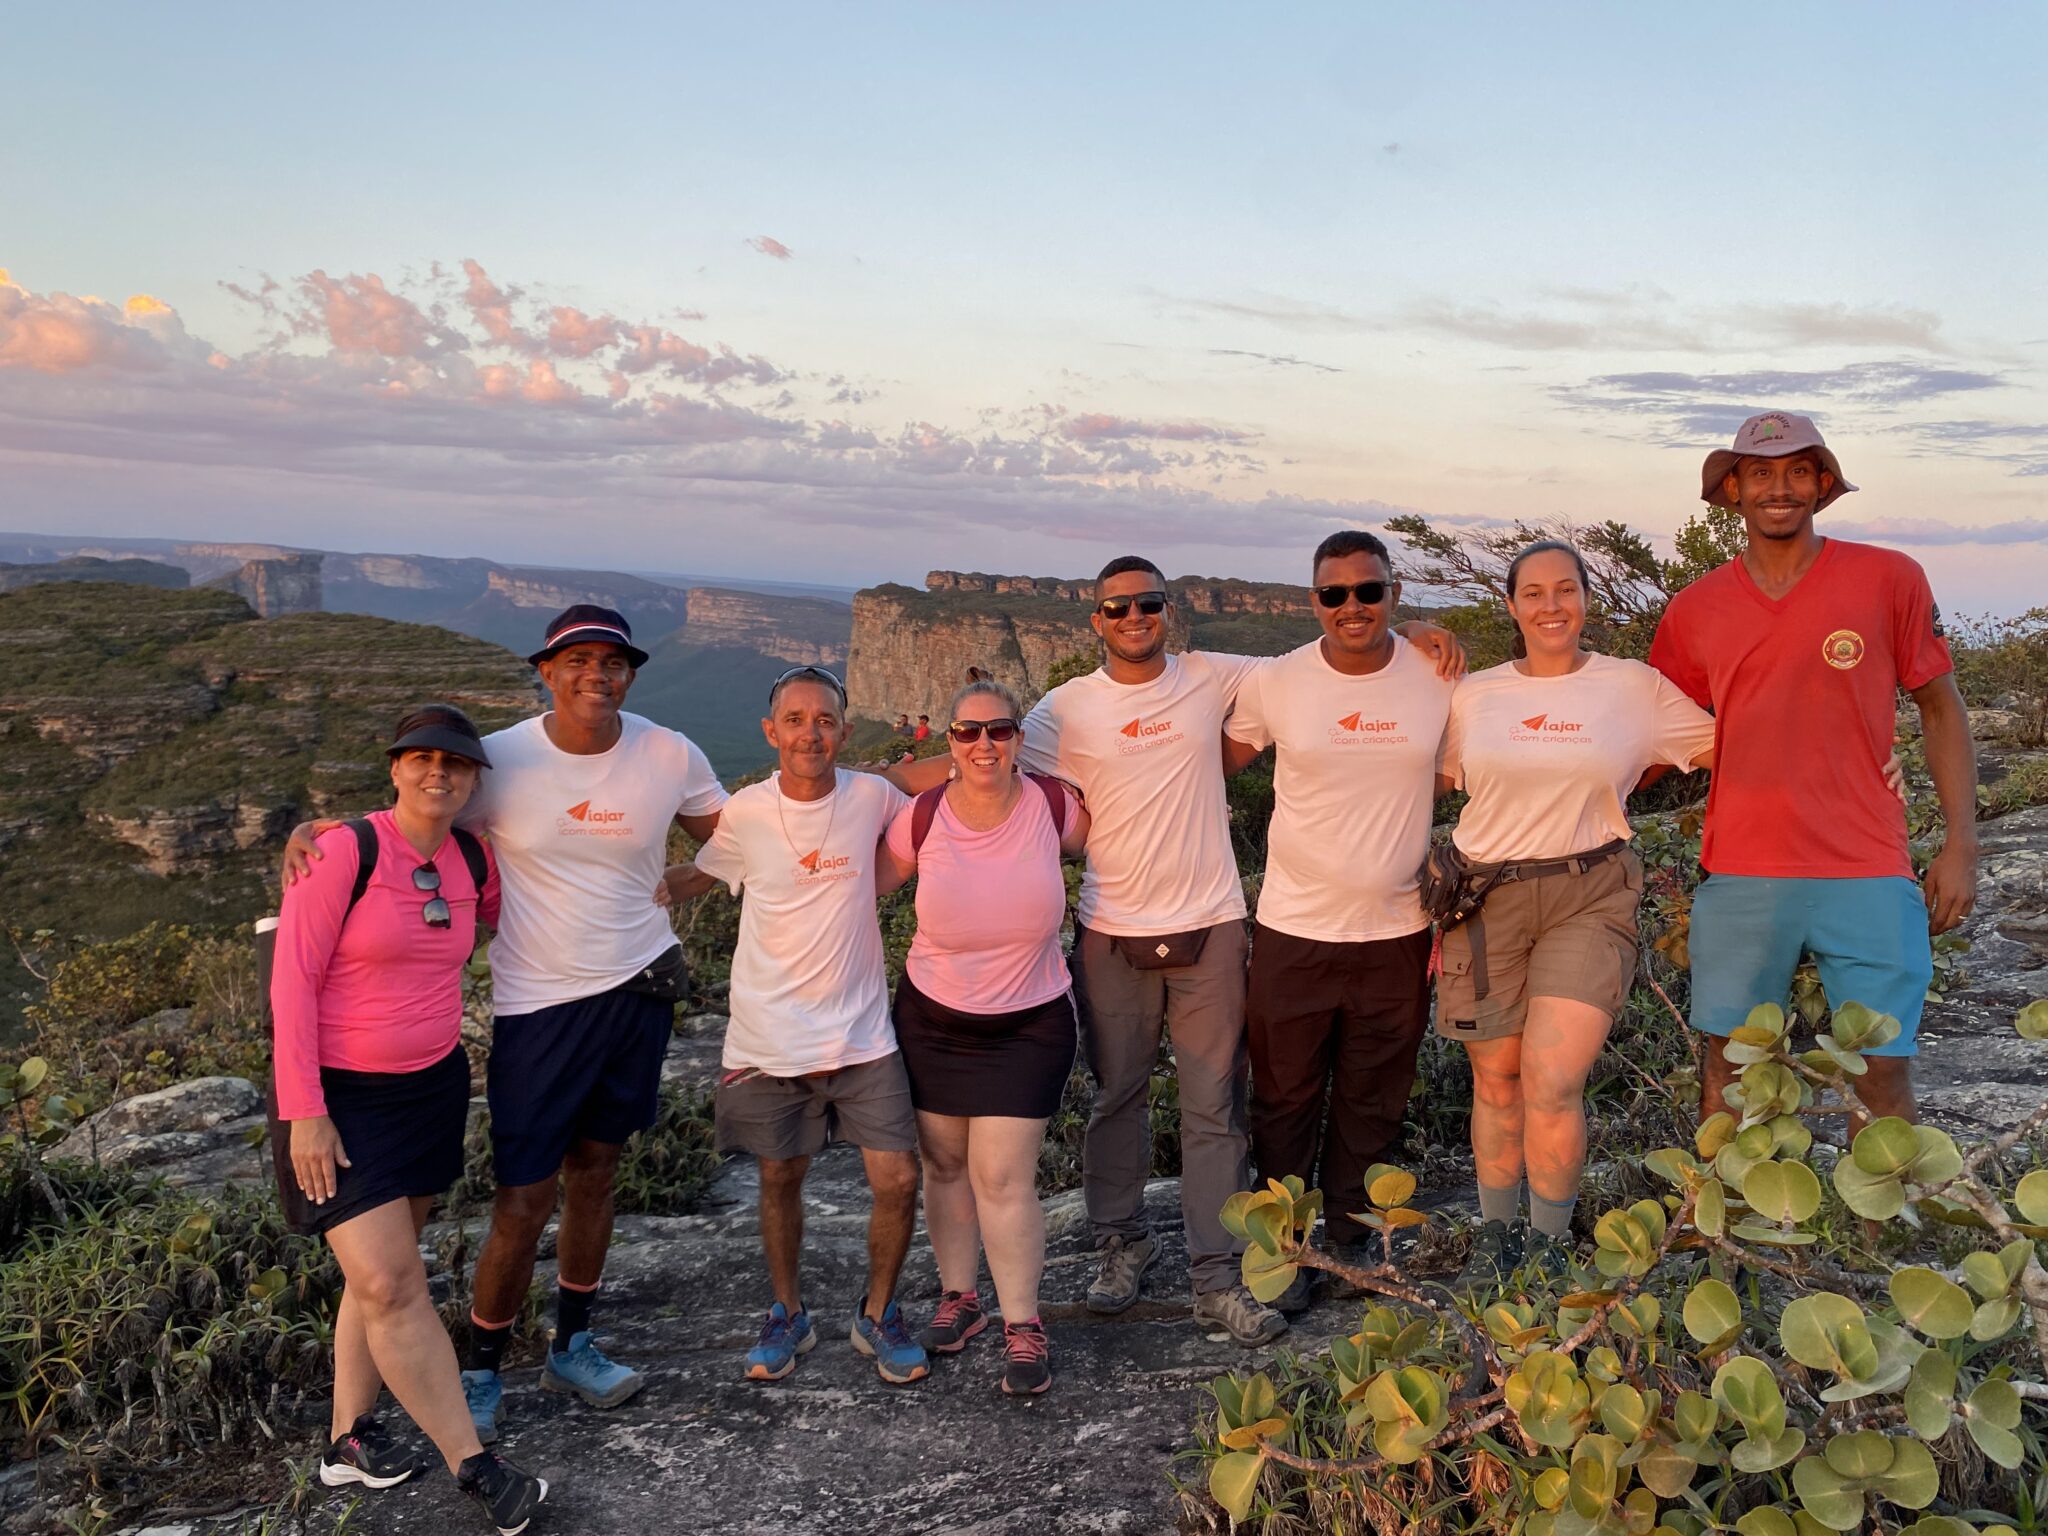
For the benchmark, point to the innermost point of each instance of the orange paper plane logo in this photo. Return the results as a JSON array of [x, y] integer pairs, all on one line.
[[810, 860], [1534, 723], [580, 810], [1145, 728]]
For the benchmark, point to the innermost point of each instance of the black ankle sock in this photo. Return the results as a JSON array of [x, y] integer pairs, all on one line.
[[486, 1345], [572, 1315]]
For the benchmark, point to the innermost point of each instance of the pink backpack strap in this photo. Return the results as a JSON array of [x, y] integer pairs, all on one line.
[[925, 809], [1055, 800], [922, 810]]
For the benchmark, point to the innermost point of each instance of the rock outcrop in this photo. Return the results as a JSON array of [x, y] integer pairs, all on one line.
[[275, 587], [910, 650], [798, 631], [195, 1134]]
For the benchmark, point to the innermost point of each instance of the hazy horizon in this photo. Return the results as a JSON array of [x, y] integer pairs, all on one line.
[[1019, 290]]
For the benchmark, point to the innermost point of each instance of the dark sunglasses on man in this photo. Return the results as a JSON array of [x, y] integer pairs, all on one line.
[[968, 732], [435, 913], [1367, 592], [1150, 604], [816, 675]]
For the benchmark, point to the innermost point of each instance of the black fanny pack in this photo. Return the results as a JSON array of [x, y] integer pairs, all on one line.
[[666, 976], [1161, 951]]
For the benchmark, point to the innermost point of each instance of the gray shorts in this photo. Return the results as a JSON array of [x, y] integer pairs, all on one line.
[[779, 1118]]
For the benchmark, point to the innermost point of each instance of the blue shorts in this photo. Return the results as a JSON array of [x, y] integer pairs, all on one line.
[[1868, 936], [588, 1070]]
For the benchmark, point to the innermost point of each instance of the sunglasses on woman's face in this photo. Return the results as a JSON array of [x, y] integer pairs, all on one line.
[[1367, 592], [435, 912], [968, 732], [1151, 604]]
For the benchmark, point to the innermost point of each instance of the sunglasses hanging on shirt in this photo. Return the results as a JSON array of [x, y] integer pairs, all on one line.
[[968, 732], [1367, 592], [435, 913], [1151, 604]]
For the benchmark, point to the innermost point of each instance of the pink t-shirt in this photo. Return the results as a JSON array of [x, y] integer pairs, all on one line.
[[381, 992], [989, 908]]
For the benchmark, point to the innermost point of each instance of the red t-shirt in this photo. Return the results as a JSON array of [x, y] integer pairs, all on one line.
[[1804, 692]]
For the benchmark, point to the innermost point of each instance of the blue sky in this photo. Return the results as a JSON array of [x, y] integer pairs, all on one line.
[[854, 291]]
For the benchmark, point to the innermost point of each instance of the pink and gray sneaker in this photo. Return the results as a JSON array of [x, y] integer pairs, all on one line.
[[958, 1319], [1027, 1359]]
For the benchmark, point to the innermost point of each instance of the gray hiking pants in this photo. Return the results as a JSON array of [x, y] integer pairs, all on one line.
[[1123, 1012]]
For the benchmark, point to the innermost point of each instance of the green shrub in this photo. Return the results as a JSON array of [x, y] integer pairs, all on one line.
[[93, 1020], [151, 1321], [1738, 1350]]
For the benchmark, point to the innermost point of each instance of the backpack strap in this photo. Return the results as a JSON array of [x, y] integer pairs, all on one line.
[[922, 810], [366, 861], [473, 856], [1055, 800], [925, 808]]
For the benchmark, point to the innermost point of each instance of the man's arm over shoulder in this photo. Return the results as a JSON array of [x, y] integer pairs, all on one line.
[[1673, 649]]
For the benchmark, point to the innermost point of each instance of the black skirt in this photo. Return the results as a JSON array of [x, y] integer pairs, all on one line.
[[402, 1132], [1010, 1064]]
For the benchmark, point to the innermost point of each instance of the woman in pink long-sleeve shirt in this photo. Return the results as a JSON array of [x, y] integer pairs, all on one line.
[[373, 1084]]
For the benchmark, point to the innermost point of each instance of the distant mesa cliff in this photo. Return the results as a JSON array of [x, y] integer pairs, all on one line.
[[911, 649], [802, 631], [276, 585], [141, 573]]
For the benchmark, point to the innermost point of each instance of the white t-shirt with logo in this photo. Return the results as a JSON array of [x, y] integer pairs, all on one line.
[[581, 842], [1148, 759], [1549, 761], [809, 989], [1353, 787]]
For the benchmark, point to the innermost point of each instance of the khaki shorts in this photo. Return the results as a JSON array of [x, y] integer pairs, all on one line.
[[1563, 935], [779, 1118]]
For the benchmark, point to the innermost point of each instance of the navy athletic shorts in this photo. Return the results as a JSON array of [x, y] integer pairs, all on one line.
[[588, 1070]]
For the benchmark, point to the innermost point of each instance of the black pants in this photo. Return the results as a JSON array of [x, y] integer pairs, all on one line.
[[1337, 1022]]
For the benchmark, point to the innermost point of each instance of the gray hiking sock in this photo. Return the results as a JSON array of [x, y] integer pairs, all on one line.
[[1553, 1218], [1503, 1205]]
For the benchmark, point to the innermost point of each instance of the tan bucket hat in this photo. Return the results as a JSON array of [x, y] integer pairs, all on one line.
[[1772, 435]]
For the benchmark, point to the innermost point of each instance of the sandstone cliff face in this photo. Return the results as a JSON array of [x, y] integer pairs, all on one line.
[[276, 587], [801, 631], [911, 650], [651, 608]]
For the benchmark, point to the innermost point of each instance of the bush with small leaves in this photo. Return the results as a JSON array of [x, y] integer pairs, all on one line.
[[1725, 1357]]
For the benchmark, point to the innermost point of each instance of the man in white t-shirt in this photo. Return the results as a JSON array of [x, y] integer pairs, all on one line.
[[810, 1053], [586, 974], [1338, 999]]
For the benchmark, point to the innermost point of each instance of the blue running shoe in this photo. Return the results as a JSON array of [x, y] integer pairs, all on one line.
[[898, 1357], [783, 1338], [584, 1370], [486, 1394]]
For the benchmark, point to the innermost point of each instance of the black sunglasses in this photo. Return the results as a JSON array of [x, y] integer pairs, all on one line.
[[435, 912], [968, 732], [1367, 592], [816, 674], [1151, 604]]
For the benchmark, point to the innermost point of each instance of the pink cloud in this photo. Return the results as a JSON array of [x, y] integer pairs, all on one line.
[[57, 333], [572, 333], [768, 245], [651, 346], [359, 314], [1096, 425], [492, 308]]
